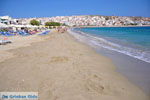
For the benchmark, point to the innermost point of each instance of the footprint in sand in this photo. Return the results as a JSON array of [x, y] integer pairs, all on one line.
[[93, 86], [95, 83], [59, 59]]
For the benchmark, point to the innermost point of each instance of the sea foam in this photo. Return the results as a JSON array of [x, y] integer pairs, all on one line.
[[103, 43]]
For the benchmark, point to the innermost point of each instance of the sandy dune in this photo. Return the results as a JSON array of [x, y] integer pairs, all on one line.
[[60, 68]]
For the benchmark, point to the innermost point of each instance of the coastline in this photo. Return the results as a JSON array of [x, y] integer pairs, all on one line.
[[134, 69], [112, 26], [65, 70]]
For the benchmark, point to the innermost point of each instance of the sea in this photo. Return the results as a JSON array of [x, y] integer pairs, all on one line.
[[128, 47]]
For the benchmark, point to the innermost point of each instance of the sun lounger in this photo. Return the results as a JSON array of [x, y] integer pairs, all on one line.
[[44, 33], [7, 34], [23, 33]]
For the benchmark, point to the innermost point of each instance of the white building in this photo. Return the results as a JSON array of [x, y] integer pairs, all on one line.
[[5, 20]]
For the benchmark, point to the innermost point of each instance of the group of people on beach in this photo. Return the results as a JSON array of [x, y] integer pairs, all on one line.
[[61, 29]]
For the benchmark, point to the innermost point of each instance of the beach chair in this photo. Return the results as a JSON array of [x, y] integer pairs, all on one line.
[[7, 34], [23, 33], [0, 33], [44, 33]]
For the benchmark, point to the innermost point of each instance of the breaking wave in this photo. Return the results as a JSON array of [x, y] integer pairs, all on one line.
[[101, 42]]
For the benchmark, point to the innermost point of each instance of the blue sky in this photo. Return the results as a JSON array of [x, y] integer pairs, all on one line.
[[47, 8]]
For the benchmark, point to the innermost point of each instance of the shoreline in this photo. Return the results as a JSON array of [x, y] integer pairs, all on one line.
[[111, 26], [134, 69], [113, 44], [66, 70]]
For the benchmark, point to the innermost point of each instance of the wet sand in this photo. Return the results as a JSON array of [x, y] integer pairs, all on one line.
[[135, 70], [60, 68]]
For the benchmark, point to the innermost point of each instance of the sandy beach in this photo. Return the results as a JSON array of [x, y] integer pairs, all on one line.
[[59, 67]]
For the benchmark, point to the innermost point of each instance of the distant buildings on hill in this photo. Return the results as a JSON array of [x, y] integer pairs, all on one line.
[[82, 20]]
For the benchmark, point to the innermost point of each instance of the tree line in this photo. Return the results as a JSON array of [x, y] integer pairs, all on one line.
[[37, 23]]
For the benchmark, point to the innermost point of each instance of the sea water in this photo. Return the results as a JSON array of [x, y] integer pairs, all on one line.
[[132, 41], [128, 47]]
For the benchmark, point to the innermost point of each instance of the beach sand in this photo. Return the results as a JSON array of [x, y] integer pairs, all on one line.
[[60, 68]]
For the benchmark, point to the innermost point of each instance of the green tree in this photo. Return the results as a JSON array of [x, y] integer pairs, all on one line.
[[132, 24], [34, 22], [52, 24]]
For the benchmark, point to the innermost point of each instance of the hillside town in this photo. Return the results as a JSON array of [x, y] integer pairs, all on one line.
[[77, 21]]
